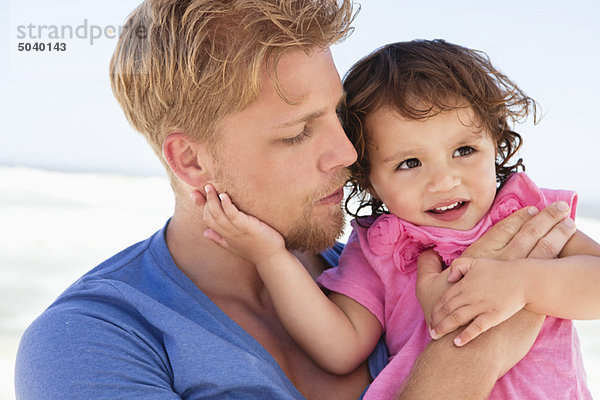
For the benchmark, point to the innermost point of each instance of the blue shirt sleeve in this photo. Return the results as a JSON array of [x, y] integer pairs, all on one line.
[[79, 352], [136, 327]]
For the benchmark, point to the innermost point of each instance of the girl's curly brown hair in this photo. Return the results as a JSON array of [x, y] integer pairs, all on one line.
[[419, 79]]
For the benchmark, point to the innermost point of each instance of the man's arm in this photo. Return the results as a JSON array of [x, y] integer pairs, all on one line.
[[446, 371]]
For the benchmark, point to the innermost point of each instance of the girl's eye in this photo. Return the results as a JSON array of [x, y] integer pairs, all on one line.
[[463, 151], [298, 138], [410, 163]]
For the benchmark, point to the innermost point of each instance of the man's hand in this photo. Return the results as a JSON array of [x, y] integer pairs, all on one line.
[[526, 233], [431, 282]]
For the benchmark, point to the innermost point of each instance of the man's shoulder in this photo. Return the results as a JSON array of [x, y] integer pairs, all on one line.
[[98, 294], [134, 324], [125, 268], [137, 324], [109, 293], [124, 261]]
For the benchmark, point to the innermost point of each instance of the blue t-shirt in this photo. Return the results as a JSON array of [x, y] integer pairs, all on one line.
[[136, 327]]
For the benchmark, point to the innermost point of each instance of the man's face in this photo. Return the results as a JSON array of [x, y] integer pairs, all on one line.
[[286, 163]]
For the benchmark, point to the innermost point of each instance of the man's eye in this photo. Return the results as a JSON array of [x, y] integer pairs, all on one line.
[[463, 151], [410, 163], [298, 138]]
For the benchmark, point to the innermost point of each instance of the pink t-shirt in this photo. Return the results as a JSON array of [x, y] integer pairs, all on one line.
[[378, 269]]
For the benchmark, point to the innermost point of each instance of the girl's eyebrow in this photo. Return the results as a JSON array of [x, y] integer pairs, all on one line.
[[474, 138], [402, 154]]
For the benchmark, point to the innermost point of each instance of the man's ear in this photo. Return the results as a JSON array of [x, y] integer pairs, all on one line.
[[188, 159]]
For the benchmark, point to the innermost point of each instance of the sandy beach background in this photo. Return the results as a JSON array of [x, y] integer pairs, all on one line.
[[56, 226]]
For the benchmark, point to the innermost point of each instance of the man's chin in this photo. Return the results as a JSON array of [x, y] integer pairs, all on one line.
[[316, 236]]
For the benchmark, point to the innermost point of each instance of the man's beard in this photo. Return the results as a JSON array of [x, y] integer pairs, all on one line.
[[306, 233], [310, 235]]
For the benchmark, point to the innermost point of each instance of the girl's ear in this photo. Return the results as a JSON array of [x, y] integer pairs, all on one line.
[[189, 160]]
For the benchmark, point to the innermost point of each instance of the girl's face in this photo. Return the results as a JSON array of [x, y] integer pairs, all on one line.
[[438, 171]]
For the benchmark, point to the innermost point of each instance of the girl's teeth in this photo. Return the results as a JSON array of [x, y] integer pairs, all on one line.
[[451, 206]]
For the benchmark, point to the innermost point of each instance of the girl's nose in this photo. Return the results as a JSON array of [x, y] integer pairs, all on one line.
[[443, 179]]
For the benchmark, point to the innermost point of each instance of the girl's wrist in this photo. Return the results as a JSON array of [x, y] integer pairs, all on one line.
[[528, 282], [274, 260]]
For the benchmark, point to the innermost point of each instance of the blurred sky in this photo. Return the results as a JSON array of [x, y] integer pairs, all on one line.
[[58, 112]]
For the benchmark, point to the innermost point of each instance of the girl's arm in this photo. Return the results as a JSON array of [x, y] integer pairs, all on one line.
[[492, 291], [568, 286], [337, 332]]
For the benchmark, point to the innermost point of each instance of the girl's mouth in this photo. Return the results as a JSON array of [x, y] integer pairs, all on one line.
[[450, 212], [449, 207]]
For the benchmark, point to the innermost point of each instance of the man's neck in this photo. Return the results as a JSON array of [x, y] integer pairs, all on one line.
[[211, 268], [314, 263]]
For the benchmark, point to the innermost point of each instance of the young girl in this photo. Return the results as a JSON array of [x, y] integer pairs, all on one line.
[[430, 122]]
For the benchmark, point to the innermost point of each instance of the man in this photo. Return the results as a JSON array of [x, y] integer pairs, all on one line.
[[243, 95]]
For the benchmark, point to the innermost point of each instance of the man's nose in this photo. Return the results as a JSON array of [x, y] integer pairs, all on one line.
[[338, 151]]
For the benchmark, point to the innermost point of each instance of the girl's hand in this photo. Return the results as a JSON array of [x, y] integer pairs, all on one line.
[[242, 234], [490, 292]]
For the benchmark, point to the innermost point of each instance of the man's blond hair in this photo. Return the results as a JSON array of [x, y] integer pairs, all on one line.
[[182, 65]]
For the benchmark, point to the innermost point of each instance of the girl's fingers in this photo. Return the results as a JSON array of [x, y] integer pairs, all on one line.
[[480, 324], [453, 320], [229, 208], [452, 299], [215, 237], [214, 210]]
